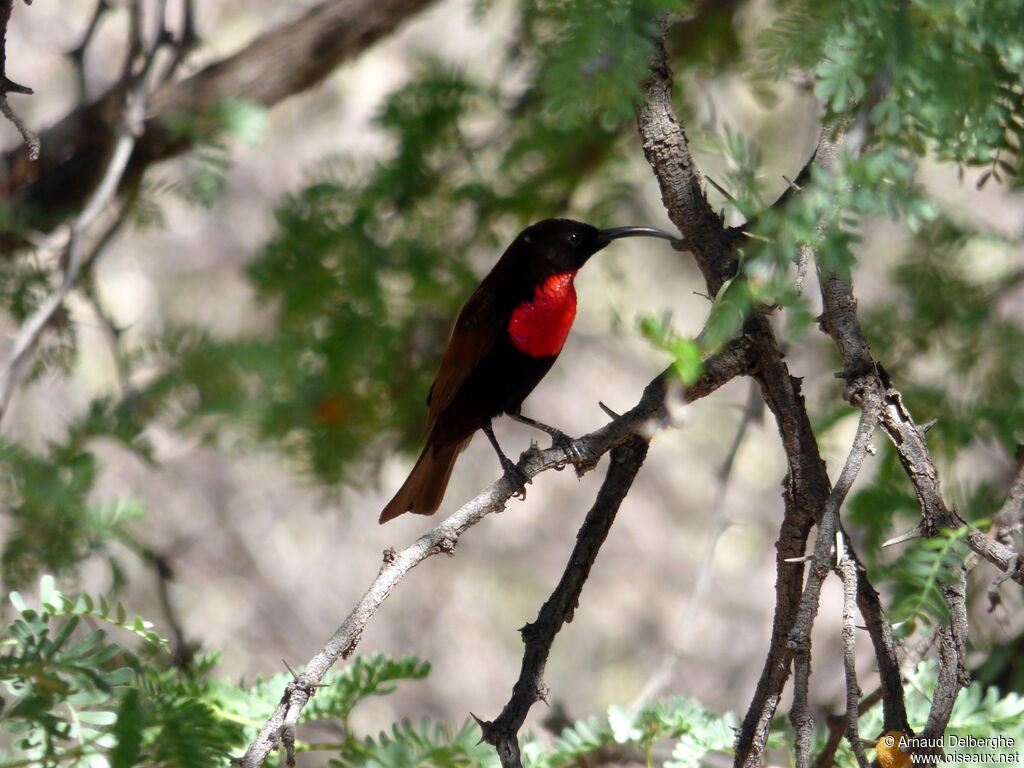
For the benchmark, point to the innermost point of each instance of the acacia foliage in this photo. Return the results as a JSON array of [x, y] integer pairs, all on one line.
[[372, 256]]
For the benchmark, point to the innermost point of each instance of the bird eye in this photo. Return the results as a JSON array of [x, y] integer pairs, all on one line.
[[574, 238]]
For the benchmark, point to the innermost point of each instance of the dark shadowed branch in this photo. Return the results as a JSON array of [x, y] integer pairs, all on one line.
[[539, 635], [649, 415], [279, 63], [7, 86]]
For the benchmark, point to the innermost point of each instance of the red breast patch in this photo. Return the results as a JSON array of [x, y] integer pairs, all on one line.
[[540, 326]]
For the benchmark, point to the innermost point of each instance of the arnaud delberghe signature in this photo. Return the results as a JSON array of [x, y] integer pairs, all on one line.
[[952, 741]]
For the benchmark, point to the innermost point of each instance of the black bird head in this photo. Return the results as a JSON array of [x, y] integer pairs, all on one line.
[[564, 245]]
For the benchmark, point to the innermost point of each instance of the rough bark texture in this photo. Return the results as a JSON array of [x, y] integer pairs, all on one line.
[[806, 486]]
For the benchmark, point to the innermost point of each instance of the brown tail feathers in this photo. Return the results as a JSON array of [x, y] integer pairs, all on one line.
[[424, 489]]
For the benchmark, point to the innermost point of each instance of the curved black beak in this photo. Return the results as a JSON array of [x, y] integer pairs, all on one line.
[[607, 235]]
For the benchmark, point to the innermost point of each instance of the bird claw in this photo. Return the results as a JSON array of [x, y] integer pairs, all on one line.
[[572, 453], [517, 478]]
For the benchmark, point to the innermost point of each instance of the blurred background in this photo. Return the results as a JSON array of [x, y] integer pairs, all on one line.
[[259, 502]]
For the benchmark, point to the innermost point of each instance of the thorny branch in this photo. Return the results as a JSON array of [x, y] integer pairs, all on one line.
[[626, 460], [840, 320], [806, 487], [847, 570], [8, 86], [825, 558], [650, 414]]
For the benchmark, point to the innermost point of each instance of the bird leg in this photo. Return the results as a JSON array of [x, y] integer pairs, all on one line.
[[558, 439], [512, 472]]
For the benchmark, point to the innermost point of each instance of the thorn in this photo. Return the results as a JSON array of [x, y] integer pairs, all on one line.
[[484, 728], [916, 533], [611, 414], [762, 238], [295, 677], [925, 428], [9, 86], [792, 184], [804, 559], [721, 189]]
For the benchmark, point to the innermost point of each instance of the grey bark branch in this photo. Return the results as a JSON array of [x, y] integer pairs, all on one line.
[[646, 417], [847, 570], [824, 559], [539, 635], [1008, 518], [840, 321]]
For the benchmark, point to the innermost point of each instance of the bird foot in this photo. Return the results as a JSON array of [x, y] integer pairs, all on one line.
[[568, 447], [516, 477], [558, 440]]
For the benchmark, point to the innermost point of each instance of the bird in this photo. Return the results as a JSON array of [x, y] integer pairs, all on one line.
[[505, 339]]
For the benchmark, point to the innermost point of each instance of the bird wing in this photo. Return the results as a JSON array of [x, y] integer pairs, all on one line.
[[473, 336]]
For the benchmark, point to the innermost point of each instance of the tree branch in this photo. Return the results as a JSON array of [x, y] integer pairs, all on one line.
[[280, 62], [31, 147], [645, 418], [806, 488], [840, 321], [824, 559], [846, 567], [626, 460], [717, 522]]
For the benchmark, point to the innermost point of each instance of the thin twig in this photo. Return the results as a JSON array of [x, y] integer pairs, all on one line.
[[1009, 518], [847, 570], [77, 54], [824, 558]]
